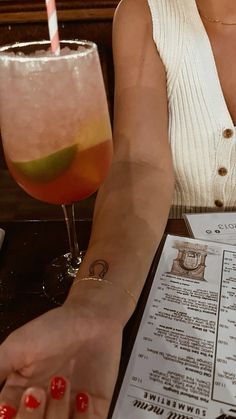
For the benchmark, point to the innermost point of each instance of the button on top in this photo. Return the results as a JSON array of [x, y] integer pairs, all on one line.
[[219, 203], [228, 133], [222, 171]]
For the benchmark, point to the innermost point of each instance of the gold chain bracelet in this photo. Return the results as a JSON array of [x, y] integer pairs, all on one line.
[[106, 281]]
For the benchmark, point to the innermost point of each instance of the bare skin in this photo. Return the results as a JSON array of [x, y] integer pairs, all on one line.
[[129, 221], [223, 41], [82, 339]]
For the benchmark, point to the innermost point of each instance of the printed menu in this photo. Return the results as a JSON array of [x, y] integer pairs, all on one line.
[[183, 363]]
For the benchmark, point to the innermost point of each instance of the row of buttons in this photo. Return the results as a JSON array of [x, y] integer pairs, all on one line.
[[222, 171]]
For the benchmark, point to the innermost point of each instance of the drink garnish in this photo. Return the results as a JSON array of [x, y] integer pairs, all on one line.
[[49, 167]]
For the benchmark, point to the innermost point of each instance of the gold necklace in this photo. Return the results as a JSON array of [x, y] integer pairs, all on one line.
[[213, 20]]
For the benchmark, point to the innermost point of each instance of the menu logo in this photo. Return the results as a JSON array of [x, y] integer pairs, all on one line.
[[139, 404]]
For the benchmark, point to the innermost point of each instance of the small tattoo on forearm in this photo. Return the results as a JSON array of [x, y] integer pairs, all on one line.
[[98, 268]]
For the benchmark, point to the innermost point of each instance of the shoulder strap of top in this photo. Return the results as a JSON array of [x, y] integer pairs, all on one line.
[[169, 26]]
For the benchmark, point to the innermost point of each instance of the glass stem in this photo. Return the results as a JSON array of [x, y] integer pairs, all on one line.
[[69, 215]]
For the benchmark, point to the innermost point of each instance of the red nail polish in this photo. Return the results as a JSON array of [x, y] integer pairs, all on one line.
[[82, 402], [31, 402], [7, 412], [58, 388]]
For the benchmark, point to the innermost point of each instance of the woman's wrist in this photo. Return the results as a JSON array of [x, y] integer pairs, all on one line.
[[106, 282], [103, 299]]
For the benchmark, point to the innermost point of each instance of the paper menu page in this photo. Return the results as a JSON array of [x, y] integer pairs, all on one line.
[[219, 227], [183, 363]]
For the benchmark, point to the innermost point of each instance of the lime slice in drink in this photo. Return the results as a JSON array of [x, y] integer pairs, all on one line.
[[49, 167]]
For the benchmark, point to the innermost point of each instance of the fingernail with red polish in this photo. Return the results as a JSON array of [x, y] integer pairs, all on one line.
[[82, 402], [31, 402], [58, 388], [7, 412]]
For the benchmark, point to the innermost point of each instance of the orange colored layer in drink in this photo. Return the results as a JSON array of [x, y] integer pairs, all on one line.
[[81, 178]]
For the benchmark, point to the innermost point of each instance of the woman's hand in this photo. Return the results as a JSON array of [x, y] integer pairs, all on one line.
[[37, 404], [80, 342]]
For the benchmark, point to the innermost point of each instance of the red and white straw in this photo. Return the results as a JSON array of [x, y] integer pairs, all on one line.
[[53, 26]]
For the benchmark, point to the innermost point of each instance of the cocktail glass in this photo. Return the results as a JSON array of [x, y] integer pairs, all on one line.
[[56, 133]]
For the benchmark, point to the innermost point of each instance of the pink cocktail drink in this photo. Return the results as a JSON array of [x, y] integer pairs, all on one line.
[[55, 122], [56, 134]]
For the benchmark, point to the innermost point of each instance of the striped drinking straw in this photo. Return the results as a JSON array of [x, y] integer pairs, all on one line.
[[53, 26]]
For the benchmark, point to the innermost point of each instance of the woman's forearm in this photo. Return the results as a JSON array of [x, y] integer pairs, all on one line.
[[130, 216]]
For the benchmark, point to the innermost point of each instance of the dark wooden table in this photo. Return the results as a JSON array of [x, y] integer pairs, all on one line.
[[28, 247]]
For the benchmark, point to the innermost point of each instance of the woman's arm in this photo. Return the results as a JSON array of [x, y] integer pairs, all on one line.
[[133, 204], [82, 339]]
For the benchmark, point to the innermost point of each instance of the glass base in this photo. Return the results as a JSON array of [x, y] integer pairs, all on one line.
[[59, 276]]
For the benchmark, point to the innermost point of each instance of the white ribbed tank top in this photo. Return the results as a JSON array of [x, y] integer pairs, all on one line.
[[201, 130]]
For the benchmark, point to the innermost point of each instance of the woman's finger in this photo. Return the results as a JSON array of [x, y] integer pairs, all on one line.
[[9, 400], [32, 405], [6, 359], [88, 407], [58, 399], [11, 392], [7, 411], [84, 407]]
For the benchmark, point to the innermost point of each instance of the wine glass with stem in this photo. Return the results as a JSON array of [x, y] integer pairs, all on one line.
[[56, 133]]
